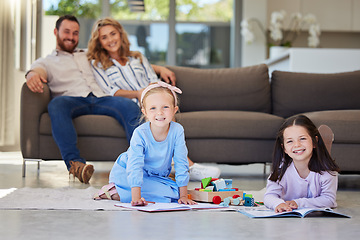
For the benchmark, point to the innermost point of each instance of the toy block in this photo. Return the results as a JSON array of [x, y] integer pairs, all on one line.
[[226, 190], [210, 188], [202, 196], [248, 195], [205, 182], [228, 183], [249, 202], [219, 184]]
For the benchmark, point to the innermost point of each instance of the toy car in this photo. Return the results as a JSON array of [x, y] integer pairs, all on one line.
[[214, 190]]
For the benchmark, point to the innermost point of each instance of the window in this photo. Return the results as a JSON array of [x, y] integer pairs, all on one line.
[[203, 33], [151, 39], [202, 45], [202, 28], [204, 10]]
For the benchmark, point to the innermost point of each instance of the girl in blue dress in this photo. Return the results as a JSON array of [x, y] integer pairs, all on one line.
[[141, 173]]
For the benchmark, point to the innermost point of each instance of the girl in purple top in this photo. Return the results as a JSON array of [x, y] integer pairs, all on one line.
[[304, 174]]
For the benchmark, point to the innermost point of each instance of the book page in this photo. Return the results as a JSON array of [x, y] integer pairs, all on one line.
[[263, 212], [319, 212], [157, 207], [206, 206]]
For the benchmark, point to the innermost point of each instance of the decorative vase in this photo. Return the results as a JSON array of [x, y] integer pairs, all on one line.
[[276, 51]]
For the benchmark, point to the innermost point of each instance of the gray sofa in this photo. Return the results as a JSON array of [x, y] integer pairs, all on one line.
[[229, 115]]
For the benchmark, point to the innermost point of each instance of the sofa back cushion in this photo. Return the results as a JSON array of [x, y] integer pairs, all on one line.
[[294, 93], [246, 89]]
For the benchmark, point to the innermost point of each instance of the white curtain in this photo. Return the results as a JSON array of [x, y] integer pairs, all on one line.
[[7, 136]]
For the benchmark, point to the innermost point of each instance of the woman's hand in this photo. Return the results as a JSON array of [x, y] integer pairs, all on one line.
[[165, 74], [168, 76]]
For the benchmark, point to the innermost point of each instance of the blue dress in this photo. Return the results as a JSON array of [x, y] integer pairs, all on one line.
[[147, 164]]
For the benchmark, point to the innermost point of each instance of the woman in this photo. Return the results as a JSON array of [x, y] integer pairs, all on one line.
[[122, 72]]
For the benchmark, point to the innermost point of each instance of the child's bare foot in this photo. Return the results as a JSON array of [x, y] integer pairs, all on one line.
[[327, 136]]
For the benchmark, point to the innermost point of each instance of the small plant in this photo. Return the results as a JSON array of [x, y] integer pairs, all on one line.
[[277, 35]]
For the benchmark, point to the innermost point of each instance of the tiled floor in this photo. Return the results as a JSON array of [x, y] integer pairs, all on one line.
[[47, 224]]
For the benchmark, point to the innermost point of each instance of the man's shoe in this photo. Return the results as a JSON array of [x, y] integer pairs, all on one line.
[[199, 171], [81, 170]]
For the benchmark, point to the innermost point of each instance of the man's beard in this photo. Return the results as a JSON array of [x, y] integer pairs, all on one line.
[[63, 46]]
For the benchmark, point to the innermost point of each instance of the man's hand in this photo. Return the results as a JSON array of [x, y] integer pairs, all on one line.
[[35, 82]]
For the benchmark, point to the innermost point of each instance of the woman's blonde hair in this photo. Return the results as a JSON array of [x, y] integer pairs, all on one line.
[[99, 54]]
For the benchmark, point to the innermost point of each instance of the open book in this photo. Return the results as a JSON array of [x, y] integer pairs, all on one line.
[[164, 207], [302, 212]]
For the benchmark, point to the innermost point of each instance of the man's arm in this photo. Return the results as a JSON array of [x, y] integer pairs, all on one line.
[[35, 79], [167, 75]]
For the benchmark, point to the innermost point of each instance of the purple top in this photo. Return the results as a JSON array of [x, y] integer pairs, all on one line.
[[316, 190]]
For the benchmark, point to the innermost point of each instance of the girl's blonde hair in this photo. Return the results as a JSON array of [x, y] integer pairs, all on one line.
[[99, 54], [175, 99], [175, 102]]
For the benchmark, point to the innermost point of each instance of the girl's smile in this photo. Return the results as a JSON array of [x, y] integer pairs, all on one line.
[[159, 109], [298, 144]]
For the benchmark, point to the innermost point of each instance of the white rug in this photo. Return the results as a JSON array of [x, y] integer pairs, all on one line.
[[54, 199], [65, 199]]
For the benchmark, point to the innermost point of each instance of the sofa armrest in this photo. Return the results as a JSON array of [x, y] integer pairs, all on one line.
[[32, 106]]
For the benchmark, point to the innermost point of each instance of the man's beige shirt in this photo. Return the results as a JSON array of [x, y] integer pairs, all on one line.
[[69, 74]]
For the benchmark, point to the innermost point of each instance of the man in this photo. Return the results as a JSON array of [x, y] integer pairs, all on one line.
[[75, 92]]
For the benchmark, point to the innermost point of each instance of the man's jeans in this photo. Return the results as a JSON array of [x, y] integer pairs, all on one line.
[[63, 109]]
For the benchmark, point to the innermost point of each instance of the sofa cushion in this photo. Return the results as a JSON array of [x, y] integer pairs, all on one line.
[[245, 89], [88, 125], [294, 93], [344, 123], [229, 124]]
